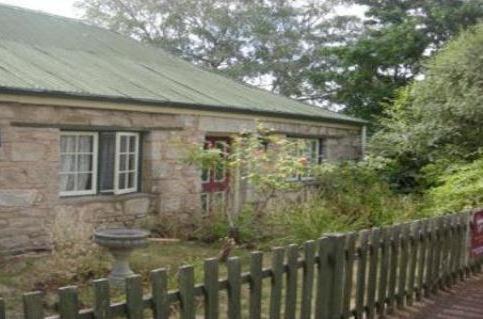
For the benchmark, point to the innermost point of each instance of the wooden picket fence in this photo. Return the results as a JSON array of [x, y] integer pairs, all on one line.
[[355, 275]]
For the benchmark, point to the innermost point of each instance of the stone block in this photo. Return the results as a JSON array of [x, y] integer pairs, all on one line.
[[28, 152], [18, 197], [137, 206]]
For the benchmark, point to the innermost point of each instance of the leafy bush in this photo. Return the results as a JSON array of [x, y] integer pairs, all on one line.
[[245, 227], [460, 187], [437, 119]]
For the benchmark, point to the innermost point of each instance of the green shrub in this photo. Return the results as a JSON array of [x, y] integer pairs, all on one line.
[[460, 187], [361, 191]]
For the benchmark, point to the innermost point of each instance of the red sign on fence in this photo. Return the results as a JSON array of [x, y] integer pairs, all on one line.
[[477, 233]]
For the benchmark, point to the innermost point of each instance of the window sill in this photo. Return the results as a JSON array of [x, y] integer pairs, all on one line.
[[101, 198]]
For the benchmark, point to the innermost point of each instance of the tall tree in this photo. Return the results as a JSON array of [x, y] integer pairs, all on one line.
[[266, 42], [399, 35]]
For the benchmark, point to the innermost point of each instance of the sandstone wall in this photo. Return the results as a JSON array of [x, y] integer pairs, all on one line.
[[29, 165]]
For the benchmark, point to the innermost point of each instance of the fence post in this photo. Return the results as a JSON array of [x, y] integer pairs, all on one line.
[[429, 258], [361, 273], [211, 288], [32, 306], [234, 287], [291, 287], [159, 291]]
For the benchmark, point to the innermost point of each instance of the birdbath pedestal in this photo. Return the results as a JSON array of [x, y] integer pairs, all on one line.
[[120, 242]]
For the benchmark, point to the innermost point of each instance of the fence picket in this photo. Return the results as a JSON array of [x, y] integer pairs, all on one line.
[[413, 258], [349, 273], [68, 302], [32, 305], [384, 273], [430, 258], [291, 284], [134, 297], [403, 266], [323, 279], [337, 260], [3, 311], [436, 267], [102, 300], [211, 288], [234, 287], [308, 280], [159, 291], [393, 264], [361, 273], [422, 264], [277, 282], [255, 305], [372, 279], [186, 291]]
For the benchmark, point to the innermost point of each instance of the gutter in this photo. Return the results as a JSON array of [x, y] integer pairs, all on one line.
[[189, 106]]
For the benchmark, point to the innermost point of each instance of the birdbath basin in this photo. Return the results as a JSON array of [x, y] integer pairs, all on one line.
[[121, 242]]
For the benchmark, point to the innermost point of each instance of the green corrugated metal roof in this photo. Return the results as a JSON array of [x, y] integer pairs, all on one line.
[[46, 54]]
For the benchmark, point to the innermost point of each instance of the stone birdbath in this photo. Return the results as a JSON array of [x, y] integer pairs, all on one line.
[[121, 242]]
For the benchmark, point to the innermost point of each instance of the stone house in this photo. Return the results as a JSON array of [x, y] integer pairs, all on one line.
[[95, 124]]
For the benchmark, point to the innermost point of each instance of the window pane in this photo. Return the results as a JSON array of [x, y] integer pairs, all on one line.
[[123, 141], [67, 144], [84, 163], [205, 203], [122, 180], [123, 162], [107, 149], [132, 162], [220, 172], [84, 181], [132, 144], [205, 175], [130, 183], [85, 144], [67, 182], [67, 163]]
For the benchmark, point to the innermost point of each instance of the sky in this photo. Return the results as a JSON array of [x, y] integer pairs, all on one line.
[[66, 7], [59, 7]]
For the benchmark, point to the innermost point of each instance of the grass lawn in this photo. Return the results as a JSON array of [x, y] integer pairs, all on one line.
[[20, 275]]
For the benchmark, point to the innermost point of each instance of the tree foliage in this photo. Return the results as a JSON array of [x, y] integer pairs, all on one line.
[[399, 35], [437, 121], [271, 40]]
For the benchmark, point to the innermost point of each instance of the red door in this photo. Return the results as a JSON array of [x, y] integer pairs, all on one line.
[[215, 181]]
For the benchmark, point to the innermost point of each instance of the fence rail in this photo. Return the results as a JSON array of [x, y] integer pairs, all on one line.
[[355, 275]]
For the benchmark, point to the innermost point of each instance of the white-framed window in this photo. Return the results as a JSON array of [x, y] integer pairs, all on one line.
[[126, 163], [312, 150], [78, 163], [99, 162]]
